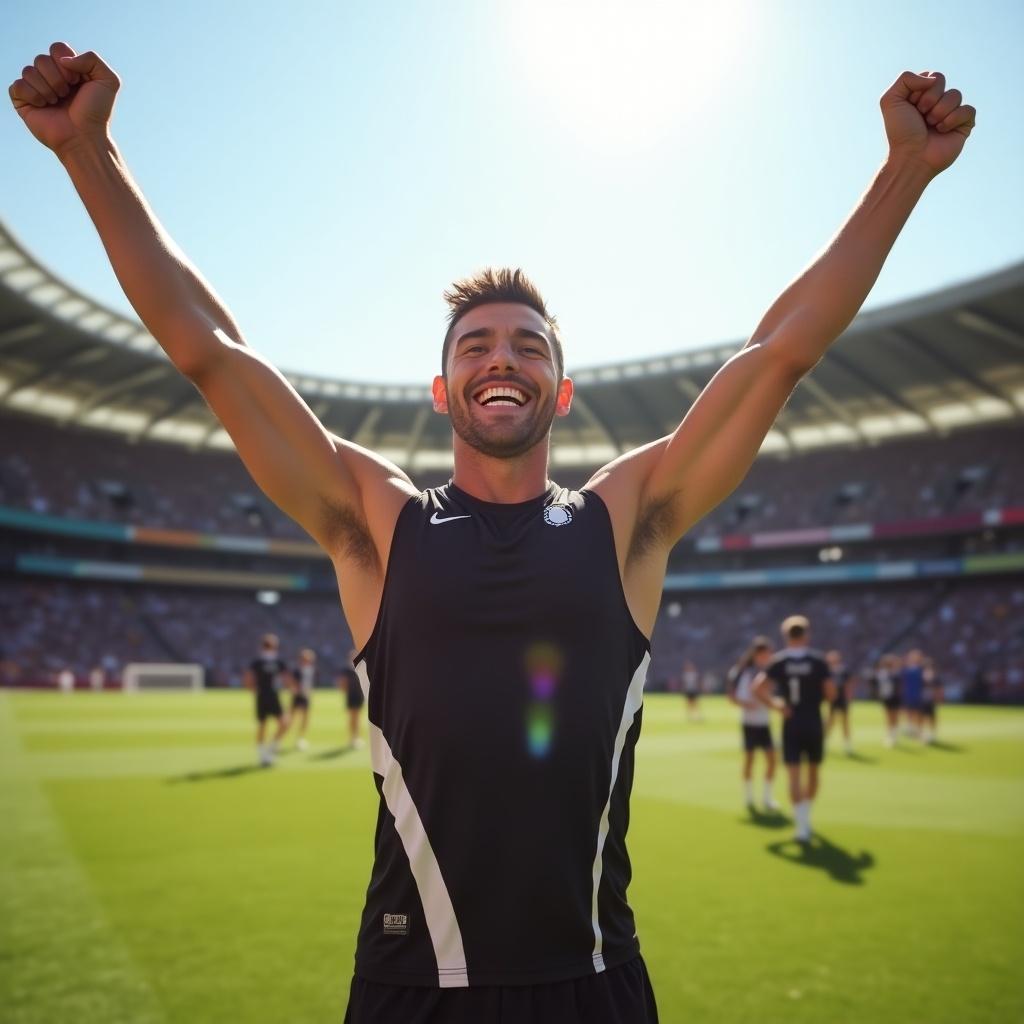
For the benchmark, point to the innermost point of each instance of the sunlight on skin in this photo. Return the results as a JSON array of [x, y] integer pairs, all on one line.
[[625, 74]]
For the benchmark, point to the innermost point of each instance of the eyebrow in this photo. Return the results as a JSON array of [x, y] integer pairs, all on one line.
[[487, 332]]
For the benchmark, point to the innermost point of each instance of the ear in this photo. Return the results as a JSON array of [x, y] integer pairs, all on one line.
[[439, 389], [563, 399]]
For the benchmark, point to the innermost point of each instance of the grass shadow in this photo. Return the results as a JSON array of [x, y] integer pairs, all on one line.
[[949, 748], [217, 773], [330, 755], [856, 758], [766, 819], [840, 865]]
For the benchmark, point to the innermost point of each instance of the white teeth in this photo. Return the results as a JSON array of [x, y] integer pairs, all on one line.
[[515, 396]]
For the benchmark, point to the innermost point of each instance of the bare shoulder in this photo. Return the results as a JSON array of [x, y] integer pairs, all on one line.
[[643, 526], [358, 526], [640, 520]]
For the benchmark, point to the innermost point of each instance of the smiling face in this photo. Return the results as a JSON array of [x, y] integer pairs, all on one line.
[[502, 387]]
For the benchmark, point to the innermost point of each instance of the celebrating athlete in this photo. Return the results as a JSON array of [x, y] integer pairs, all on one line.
[[502, 620]]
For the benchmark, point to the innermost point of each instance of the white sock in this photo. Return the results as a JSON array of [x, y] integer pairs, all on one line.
[[803, 813], [748, 791], [768, 792]]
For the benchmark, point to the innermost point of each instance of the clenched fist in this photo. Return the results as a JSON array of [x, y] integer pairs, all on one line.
[[63, 97], [925, 121]]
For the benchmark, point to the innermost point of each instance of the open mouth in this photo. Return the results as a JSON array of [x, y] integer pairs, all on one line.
[[505, 395]]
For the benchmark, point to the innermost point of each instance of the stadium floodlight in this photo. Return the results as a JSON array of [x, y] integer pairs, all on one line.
[[268, 596], [155, 676]]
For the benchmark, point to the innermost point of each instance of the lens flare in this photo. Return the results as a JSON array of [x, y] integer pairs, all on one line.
[[543, 663]]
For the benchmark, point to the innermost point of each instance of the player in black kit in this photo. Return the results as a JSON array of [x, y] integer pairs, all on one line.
[[502, 621], [842, 677], [264, 677], [348, 683], [801, 680]]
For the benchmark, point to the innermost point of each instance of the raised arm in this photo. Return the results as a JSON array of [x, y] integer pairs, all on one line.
[[680, 478], [332, 488]]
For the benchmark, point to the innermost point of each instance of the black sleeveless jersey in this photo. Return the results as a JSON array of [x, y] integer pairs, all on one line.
[[799, 675], [504, 679], [266, 671]]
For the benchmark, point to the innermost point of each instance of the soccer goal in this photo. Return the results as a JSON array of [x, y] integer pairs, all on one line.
[[139, 676]]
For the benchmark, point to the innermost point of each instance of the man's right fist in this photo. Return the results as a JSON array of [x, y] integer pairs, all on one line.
[[63, 97]]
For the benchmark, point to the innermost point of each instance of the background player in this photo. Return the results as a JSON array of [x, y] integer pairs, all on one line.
[[801, 682], [263, 678], [842, 677], [691, 691], [911, 689], [887, 690], [348, 683], [302, 684], [755, 719], [931, 697]]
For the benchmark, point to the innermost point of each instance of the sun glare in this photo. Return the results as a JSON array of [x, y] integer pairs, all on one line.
[[627, 73]]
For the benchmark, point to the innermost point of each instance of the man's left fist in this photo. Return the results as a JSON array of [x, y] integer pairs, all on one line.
[[925, 121]]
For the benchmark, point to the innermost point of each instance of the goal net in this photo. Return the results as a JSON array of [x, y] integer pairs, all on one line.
[[138, 676]]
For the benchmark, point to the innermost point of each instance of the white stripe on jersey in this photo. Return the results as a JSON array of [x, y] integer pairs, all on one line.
[[633, 703], [438, 911]]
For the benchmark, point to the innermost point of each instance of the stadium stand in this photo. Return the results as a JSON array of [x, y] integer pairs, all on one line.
[[129, 531]]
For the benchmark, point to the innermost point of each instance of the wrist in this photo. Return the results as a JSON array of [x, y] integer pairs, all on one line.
[[84, 147], [908, 167]]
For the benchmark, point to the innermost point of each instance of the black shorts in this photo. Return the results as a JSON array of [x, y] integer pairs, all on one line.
[[892, 703], [928, 709], [268, 705], [757, 737], [840, 704], [354, 700], [800, 739], [620, 995], [299, 700]]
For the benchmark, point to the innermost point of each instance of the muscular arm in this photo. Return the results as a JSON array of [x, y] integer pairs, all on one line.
[[685, 475], [326, 485]]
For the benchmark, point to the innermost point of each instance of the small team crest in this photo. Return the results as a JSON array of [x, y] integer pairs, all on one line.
[[558, 515]]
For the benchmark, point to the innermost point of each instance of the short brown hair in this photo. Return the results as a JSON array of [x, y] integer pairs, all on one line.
[[497, 284], [795, 627]]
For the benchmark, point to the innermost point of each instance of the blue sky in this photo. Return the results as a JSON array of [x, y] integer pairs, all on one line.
[[661, 169]]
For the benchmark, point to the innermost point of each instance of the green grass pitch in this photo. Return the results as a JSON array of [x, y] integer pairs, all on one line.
[[148, 874]]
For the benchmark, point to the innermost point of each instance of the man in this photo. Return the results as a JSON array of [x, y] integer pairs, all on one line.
[[801, 682], [302, 685], [502, 620], [911, 690], [887, 690], [263, 677], [755, 719], [691, 692], [931, 697], [348, 683], [840, 707]]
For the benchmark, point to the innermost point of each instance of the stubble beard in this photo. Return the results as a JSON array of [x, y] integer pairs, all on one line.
[[505, 442]]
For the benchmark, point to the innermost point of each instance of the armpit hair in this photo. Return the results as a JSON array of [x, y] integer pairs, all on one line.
[[348, 535], [654, 525]]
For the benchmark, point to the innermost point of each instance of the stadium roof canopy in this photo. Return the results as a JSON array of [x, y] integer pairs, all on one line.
[[930, 365]]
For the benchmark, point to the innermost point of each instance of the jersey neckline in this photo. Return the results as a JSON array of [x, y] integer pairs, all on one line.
[[545, 497]]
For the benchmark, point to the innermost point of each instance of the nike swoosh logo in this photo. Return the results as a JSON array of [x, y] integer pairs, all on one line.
[[448, 519]]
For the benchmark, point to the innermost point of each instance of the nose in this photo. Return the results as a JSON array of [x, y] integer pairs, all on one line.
[[504, 357]]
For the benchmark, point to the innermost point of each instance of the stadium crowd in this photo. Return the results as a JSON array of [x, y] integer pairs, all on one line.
[[46, 627], [91, 475], [974, 630]]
